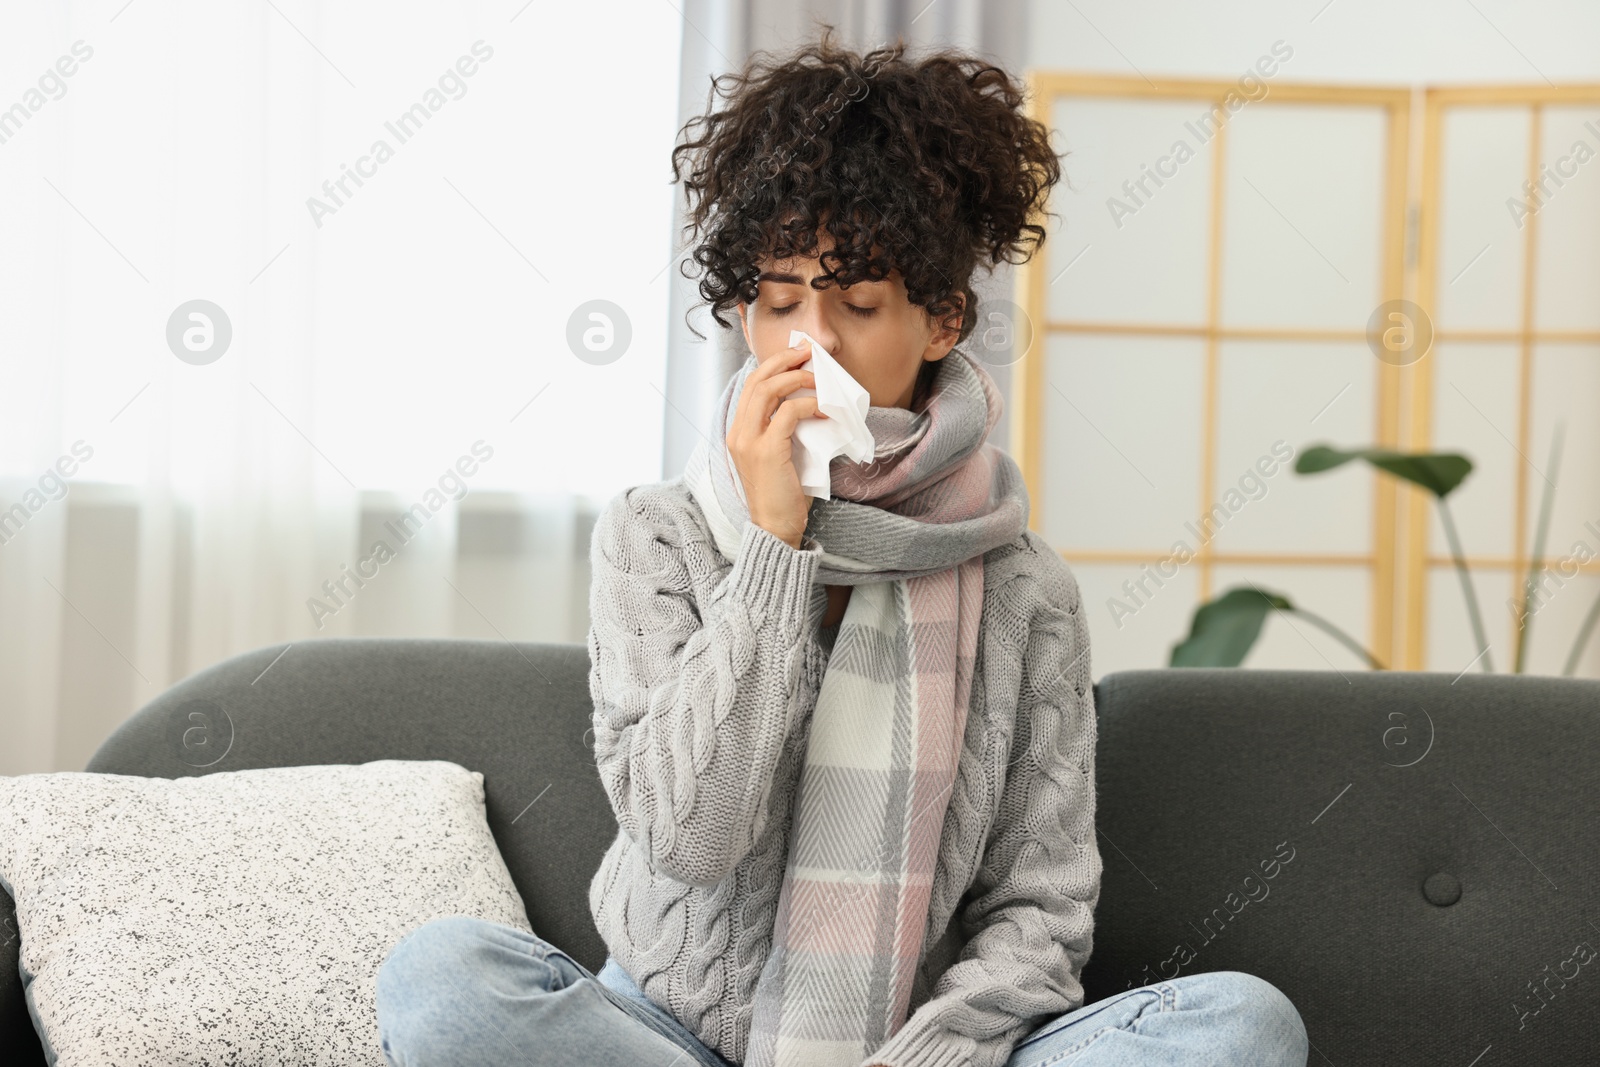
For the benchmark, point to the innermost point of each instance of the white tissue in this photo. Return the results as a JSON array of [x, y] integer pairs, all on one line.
[[843, 433]]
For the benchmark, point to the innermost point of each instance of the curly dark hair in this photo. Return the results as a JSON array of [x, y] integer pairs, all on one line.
[[926, 165]]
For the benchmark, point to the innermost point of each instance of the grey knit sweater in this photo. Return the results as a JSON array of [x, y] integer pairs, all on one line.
[[704, 675]]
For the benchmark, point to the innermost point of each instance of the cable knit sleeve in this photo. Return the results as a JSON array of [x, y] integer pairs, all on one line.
[[692, 695], [1030, 918]]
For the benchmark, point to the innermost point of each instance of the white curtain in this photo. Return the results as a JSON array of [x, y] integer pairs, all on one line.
[[414, 330]]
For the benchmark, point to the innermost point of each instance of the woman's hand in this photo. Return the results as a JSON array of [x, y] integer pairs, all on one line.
[[761, 442]]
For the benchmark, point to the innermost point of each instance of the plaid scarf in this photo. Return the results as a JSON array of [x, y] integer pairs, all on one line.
[[908, 530]]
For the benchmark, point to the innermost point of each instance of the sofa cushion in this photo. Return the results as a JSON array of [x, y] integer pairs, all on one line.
[[237, 917]]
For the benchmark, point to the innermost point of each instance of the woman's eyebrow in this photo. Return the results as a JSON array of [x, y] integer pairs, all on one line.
[[795, 279]]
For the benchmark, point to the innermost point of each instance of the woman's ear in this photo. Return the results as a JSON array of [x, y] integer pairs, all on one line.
[[944, 338]]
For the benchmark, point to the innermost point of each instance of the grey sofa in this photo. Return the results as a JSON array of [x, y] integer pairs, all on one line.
[[1413, 859]]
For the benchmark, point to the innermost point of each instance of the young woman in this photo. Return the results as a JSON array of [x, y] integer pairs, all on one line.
[[850, 740]]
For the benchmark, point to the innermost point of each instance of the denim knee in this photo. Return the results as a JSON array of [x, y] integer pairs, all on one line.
[[415, 982], [1281, 1031], [446, 943]]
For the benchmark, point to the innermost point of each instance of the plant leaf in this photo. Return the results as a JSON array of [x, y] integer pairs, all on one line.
[[1224, 630], [1438, 472]]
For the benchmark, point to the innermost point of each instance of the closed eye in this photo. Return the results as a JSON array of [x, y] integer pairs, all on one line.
[[863, 312]]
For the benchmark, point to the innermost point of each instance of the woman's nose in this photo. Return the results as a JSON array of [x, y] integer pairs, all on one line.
[[815, 322]]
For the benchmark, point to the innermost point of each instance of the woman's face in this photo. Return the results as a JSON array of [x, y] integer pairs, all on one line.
[[878, 336]]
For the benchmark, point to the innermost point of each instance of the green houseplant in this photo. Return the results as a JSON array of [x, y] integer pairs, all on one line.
[[1224, 629]]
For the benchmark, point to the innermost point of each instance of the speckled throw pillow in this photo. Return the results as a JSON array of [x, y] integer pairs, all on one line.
[[240, 917]]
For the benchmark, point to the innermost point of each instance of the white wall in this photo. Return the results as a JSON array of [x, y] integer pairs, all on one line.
[[1376, 41]]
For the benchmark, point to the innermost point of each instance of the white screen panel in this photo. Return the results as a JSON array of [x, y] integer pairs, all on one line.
[[1567, 278], [1134, 629], [1475, 389], [1565, 599], [1303, 220], [1121, 430], [1566, 390], [1483, 161], [1134, 254], [1300, 394], [1450, 644]]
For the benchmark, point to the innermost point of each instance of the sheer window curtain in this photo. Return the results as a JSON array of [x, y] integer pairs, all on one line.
[[438, 239]]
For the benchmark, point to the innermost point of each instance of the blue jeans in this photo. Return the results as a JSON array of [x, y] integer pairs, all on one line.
[[460, 990]]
